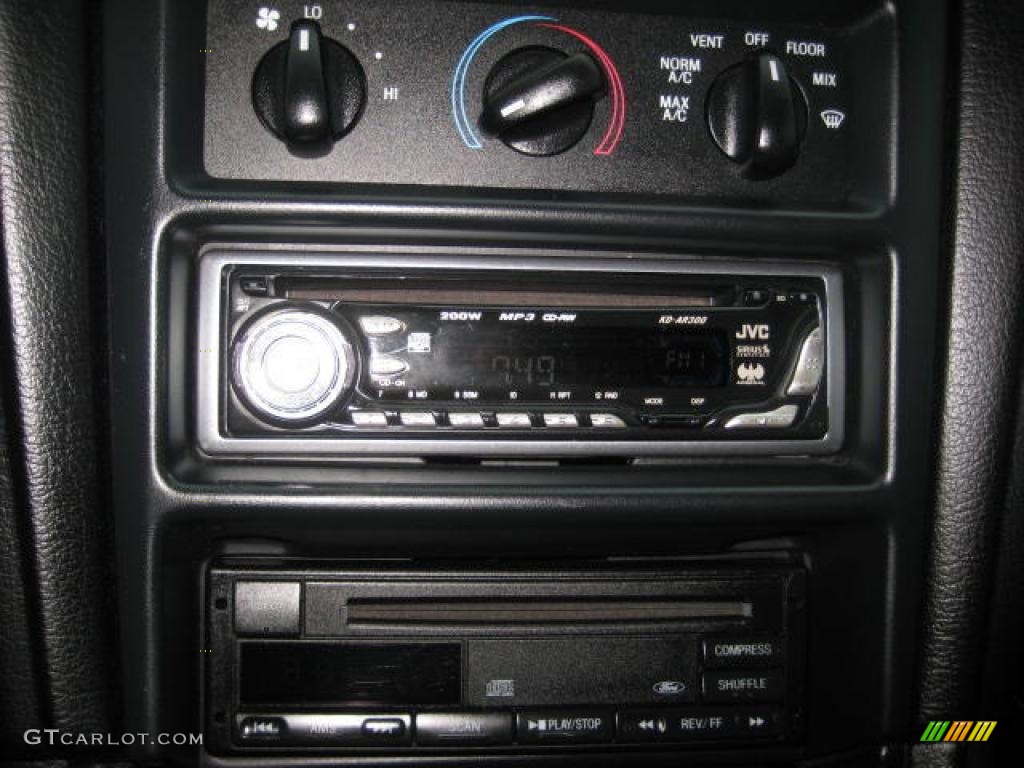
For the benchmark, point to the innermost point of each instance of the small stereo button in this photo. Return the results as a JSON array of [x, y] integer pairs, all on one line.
[[439, 729], [672, 420], [254, 286], [781, 417], [466, 420], [652, 725], [743, 685], [757, 723], [418, 419], [514, 420], [756, 298], [389, 728], [346, 730], [560, 420], [265, 608], [741, 651], [380, 325], [369, 419], [808, 365], [261, 729], [564, 727], [607, 421], [385, 365]]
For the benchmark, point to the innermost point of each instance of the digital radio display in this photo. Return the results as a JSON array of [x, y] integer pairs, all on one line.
[[501, 359], [475, 354]]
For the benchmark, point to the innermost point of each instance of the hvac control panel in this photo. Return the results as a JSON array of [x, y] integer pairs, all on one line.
[[477, 94]]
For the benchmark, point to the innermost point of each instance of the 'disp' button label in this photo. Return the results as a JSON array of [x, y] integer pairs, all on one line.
[[742, 651]]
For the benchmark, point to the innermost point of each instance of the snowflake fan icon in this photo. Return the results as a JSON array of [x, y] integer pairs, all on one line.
[[267, 19]]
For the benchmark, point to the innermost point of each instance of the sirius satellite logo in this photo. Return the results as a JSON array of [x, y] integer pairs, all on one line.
[[750, 373]]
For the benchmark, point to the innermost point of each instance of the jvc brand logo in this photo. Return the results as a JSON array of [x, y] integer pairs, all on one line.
[[749, 331]]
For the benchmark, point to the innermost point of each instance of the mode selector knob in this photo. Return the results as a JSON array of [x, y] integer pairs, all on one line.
[[757, 115], [540, 101], [293, 365], [309, 90]]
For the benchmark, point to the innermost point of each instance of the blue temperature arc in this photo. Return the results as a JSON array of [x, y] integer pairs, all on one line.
[[459, 80]]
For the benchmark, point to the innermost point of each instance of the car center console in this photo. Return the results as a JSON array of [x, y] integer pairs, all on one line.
[[504, 382]]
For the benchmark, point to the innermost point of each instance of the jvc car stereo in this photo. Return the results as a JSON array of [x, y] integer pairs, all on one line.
[[370, 353]]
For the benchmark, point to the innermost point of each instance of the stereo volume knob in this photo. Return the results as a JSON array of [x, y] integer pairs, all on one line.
[[292, 366], [309, 91], [540, 101], [757, 115]]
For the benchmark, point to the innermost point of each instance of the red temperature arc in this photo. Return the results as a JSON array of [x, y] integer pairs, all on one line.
[[617, 124]]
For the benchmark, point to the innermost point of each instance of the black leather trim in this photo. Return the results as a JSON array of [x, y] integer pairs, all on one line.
[[1003, 697], [19, 673], [49, 394], [983, 362]]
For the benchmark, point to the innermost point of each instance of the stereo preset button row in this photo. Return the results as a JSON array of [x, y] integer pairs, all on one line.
[[479, 420], [742, 685], [564, 727], [440, 729], [328, 730], [678, 725]]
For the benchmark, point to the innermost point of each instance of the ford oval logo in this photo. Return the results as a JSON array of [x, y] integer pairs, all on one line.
[[669, 688]]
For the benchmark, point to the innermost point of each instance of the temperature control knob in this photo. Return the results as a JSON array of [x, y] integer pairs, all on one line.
[[292, 366], [309, 91], [757, 115], [540, 101]]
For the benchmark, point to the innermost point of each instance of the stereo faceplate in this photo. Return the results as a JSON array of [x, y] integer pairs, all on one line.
[[344, 661], [503, 354]]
